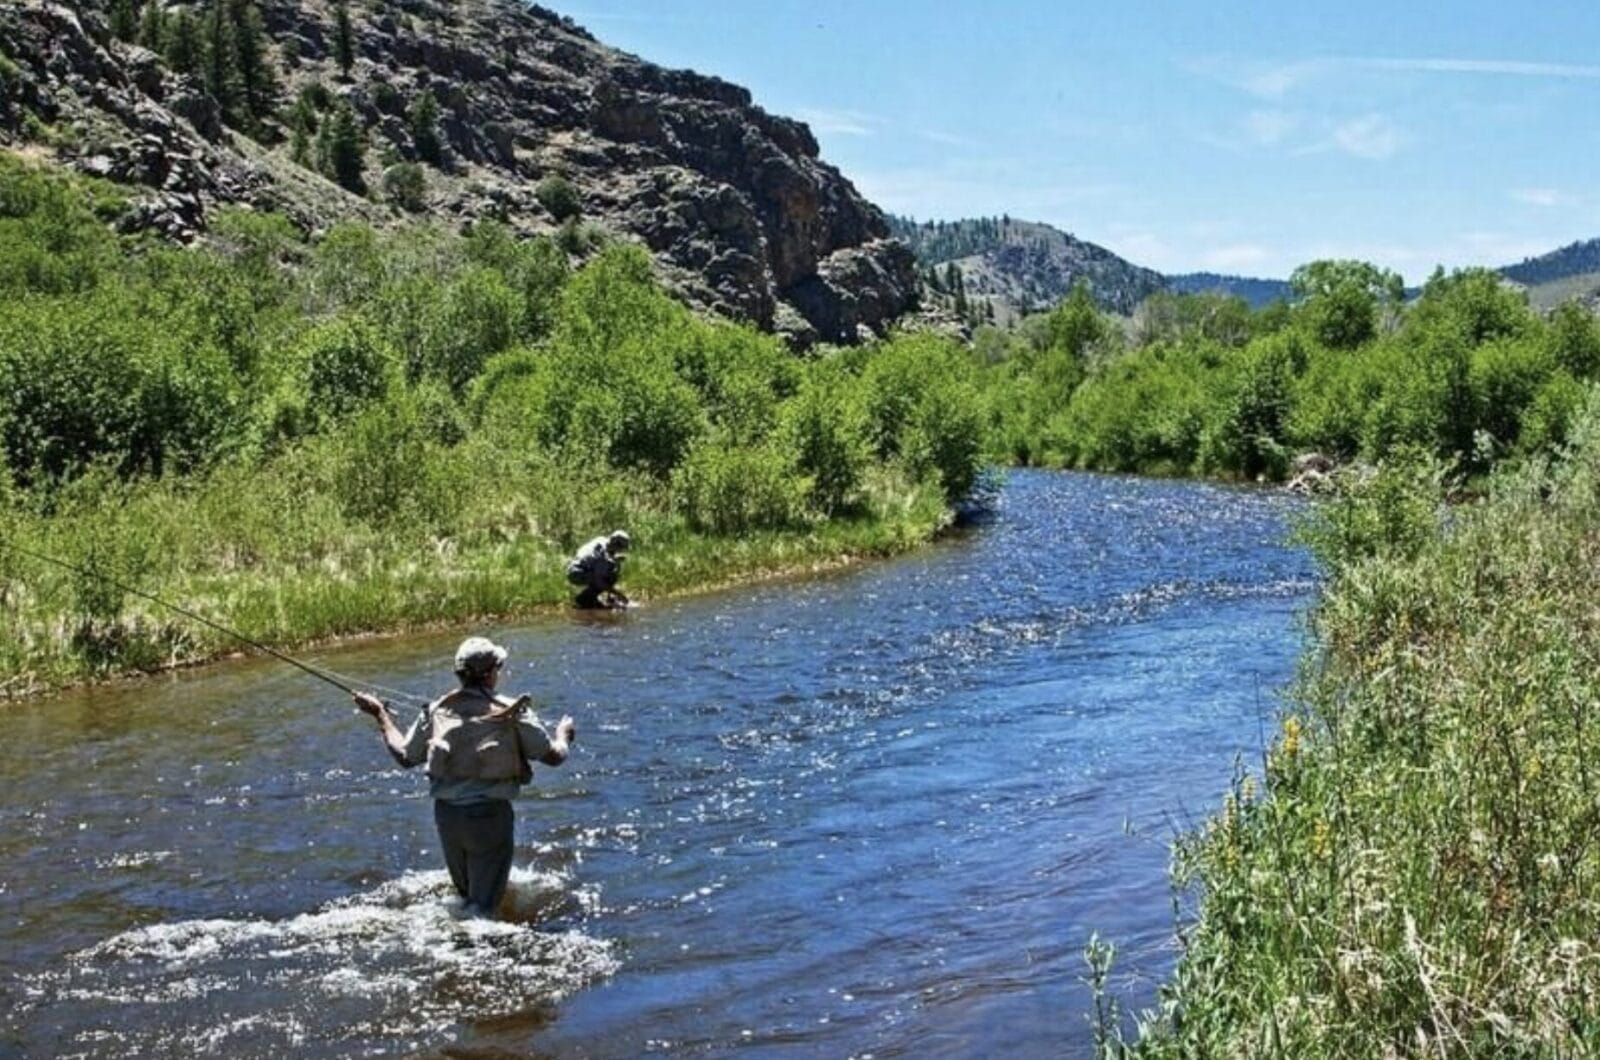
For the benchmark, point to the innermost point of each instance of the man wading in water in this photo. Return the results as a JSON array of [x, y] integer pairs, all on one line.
[[478, 747]]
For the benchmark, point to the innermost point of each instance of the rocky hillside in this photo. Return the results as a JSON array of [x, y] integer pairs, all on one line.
[[1574, 259], [1021, 266], [456, 109]]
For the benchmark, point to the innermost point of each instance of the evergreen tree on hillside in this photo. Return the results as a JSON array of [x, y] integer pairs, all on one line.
[[153, 27], [183, 46], [125, 19], [221, 71], [425, 128], [344, 47], [259, 84], [302, 122], [345, 150]]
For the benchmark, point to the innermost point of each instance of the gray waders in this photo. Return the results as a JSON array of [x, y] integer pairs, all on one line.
[[479, 841]]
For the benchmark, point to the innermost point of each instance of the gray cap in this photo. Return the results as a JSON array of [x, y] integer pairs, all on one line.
[[479, 655]]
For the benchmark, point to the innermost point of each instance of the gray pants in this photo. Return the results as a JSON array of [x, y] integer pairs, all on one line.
[[478, 840]]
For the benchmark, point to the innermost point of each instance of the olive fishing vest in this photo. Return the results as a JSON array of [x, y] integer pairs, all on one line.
[[474, 737]]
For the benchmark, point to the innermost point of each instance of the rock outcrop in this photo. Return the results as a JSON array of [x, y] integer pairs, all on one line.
[[735, 203]]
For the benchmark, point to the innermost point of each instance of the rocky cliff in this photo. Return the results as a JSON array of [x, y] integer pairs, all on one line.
[[741, 213]]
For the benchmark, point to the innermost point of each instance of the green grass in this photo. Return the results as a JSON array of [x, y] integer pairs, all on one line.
[[288, 569], [1416, 872]]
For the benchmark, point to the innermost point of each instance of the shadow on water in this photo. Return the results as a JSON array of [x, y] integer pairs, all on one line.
[[877, 811]]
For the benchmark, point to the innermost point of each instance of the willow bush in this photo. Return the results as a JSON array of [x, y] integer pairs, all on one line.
[[381, 428]]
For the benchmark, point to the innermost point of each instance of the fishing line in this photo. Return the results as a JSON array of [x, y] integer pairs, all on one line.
[[340, 681]]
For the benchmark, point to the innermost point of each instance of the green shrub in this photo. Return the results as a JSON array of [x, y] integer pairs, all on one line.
[[347, 365], [1506, 374], [391, 470], [406, 186], [90, 378], [726, 489], [825, 427], [559, 198]]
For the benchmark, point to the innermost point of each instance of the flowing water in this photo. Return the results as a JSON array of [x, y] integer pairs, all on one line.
[[873, 813]]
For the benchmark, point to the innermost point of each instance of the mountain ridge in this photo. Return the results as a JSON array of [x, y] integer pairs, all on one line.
[[742, 215], [985, 252]]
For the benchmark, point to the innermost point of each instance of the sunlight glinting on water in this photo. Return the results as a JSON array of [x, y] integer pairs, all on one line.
[[878, 812]]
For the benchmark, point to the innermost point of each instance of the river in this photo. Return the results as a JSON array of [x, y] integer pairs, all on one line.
[[873, 813]]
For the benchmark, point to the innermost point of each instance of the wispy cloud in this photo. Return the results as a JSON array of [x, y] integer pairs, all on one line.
[[1546, 197], [1270, 127], [945, 139], [1369, 136], [838, 122], [1500, 67], [1274, 81], [1236, 257], [1148, 249]]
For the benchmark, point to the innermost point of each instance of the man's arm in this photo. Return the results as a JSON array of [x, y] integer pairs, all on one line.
[[540, 744], [561, 743], [397, 742]]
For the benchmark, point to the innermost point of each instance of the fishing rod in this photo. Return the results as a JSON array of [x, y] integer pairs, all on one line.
[[332, 677]]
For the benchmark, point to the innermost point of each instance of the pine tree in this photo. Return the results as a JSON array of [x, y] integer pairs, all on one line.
[[303, 120], [222, 61], [321, 147], [153, 27], [425, 128], [259, 84], [125, 19], [183, 44], [344, 49], [345, 150]]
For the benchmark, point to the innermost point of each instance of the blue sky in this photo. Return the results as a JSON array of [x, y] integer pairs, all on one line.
[[1227, 136]]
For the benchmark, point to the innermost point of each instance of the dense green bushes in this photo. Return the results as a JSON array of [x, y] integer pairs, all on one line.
[[365, 430], [1199, 384]]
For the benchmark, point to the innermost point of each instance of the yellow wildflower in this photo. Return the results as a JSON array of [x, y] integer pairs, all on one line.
[[1291, 736]]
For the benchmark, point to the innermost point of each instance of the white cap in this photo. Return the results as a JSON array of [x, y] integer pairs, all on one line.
[[479, 655]]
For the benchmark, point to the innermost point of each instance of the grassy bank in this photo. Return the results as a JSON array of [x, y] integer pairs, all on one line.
[[1418, 871], [214, 547], [369, 430]]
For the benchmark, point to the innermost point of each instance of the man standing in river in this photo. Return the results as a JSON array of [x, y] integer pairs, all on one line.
[[478, 747]]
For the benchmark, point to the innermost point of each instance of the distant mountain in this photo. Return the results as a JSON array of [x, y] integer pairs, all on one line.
[[1574, 259], [1020, 266], [1255, 291]]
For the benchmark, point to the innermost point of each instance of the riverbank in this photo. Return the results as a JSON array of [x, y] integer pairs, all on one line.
[[362, 584], [307, 438], [1418, 870]]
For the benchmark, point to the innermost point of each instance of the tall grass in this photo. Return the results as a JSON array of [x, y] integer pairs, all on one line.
[[1417, 871]]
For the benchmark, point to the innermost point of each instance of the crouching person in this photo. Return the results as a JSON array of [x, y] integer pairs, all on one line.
[[596, 568], [478, 747]]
